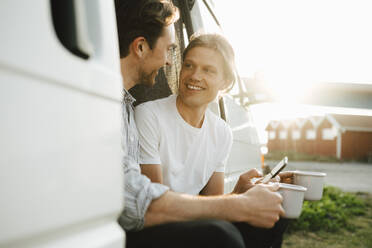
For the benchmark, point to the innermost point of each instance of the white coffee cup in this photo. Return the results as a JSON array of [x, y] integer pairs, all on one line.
[[313, 181], [293, 198]]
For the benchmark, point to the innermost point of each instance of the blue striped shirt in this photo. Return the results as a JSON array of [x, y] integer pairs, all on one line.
[[139, 190]]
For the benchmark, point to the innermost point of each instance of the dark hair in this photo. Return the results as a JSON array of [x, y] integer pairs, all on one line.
[[220, 44], [145, 18]]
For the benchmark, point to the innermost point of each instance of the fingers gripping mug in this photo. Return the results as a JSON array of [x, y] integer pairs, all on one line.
[[293, 197]]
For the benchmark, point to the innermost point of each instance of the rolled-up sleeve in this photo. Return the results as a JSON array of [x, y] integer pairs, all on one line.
[[139, 191]]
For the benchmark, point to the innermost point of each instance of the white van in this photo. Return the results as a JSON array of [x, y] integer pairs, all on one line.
[[61, 178]]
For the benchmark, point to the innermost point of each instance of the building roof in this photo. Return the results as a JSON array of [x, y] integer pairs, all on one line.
[[353, 122], [343, 122], [286, 123], [272, 125], [314, 121]]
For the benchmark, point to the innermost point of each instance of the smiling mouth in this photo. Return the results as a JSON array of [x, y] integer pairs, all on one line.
[[193, 87]]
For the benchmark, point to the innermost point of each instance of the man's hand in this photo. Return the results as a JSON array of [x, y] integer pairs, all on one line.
[[263, 205], [245, 181], [286, 177], [249, 179]]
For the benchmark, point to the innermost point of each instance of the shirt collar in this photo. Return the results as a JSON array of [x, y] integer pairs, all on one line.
[[128, 98]]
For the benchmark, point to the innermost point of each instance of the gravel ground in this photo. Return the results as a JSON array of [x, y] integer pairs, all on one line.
[[350, 177]]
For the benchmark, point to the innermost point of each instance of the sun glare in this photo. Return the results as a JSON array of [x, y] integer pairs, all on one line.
[[290, 45], [295, 44]]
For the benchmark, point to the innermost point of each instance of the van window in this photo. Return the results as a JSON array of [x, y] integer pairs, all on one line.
[[66, 25]]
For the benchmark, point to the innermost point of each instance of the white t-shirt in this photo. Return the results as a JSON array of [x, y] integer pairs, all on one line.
[[188, 156]]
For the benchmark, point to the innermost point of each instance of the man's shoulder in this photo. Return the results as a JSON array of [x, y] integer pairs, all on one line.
[[217, 121], [157, 104], [157, 109], [219, 126]]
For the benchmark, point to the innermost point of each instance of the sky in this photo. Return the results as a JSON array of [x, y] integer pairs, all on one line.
[[290, 44], [320, 39]]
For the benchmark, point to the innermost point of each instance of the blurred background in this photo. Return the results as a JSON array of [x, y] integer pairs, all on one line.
[[288, 47]]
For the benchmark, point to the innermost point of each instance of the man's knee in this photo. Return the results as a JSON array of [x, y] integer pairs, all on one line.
[[224, 234]]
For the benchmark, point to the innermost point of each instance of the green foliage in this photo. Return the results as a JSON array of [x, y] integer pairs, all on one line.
[[331, 213]]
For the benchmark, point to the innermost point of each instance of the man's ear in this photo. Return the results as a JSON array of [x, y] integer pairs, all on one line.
[[139, 46]]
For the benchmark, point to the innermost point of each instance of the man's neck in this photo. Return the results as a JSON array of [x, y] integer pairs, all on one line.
[[129, 72], [192, 115]]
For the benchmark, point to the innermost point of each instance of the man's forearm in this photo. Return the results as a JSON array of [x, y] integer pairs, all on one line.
[[172, 207], [259, 206], [153, 172]]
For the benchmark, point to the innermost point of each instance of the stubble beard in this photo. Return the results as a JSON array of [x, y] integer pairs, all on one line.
[[148, 79]]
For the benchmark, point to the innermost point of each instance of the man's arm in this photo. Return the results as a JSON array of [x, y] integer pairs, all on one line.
[[215, 185], [260, 207], [153, 172]]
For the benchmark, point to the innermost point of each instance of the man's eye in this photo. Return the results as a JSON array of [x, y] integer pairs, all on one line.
[[209, 70]]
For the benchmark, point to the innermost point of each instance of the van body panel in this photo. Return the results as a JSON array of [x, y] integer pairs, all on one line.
[[61, 175]]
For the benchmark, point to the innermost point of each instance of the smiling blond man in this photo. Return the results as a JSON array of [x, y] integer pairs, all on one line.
[[183, 144]]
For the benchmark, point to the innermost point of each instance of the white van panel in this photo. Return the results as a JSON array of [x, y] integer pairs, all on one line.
[[29, 43], [245, 151], [61, 177]]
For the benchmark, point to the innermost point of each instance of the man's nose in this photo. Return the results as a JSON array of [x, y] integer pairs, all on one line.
[[196, 74]]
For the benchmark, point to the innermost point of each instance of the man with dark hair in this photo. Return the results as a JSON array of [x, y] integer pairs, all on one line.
[[153, 215], [145, 33]]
